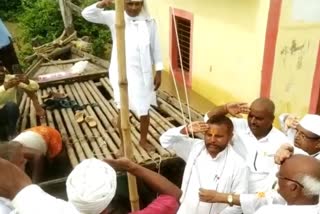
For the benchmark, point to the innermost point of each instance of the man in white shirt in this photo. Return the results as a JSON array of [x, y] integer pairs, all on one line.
[[255, 139], [142, 57], [298, 192], [305, 134], [210, 163]]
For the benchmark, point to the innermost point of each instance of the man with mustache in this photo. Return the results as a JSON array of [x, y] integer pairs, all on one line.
[[210, 163], [255, 139]]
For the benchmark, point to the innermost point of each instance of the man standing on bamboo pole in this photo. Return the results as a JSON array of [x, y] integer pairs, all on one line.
[[142, 57]]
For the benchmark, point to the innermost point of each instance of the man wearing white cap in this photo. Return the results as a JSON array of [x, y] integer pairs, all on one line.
[[142, 57], [90, 188], [306, 137]]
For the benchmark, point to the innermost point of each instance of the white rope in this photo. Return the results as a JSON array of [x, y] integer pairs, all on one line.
[[182, 71]]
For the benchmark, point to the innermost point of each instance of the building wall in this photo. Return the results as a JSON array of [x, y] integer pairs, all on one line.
[[295, 62], [228, 44]]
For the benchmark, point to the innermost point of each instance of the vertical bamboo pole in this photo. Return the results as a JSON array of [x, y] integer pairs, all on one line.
[[124, 100]]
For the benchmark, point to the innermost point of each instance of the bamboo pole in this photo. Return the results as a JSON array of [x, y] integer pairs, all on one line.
[[124, 100]]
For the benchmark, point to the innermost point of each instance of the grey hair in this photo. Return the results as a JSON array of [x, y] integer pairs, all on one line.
[[311, 185]]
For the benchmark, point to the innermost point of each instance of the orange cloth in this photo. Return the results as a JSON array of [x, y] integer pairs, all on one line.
[[52, 137]]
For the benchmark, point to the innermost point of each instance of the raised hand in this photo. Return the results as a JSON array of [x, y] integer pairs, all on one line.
[[236, 109], [291, 121], [197, 127], [121, 164], [206, 195], [283, 153], [105, 3]]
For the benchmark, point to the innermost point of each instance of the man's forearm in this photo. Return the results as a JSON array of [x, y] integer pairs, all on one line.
[[223, 198], [218, 111], [156, 181]]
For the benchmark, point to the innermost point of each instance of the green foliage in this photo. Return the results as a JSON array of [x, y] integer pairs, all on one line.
[[9, 9], [41, 22]]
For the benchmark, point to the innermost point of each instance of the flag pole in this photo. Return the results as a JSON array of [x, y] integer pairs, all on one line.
[[124, 100]]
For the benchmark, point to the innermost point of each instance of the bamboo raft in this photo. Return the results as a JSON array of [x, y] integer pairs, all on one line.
[[103, 141]]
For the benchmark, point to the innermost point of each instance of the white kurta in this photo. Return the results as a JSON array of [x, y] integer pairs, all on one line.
[[293, 209], [142, 56], [6, 206], [225, 173], [258, 154]]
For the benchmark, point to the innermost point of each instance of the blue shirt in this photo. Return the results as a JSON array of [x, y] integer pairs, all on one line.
[[4, 35]]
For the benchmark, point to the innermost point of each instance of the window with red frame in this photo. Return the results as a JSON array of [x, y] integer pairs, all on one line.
[[181, 38]]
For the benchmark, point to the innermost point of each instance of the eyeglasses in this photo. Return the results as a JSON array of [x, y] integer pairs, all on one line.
[[289, 179], [304, 136]]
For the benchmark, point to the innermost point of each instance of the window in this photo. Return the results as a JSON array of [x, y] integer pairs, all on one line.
[[181, 28]]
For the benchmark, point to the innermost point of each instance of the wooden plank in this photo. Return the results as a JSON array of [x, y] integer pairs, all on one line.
[[93, 59], [60, 62]]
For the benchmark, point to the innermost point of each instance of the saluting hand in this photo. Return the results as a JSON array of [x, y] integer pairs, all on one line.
[[236, 109], [197, 127], [291, 121], [105, 3]]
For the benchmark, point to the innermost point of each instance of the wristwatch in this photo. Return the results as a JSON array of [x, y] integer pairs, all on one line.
[[230, 200]]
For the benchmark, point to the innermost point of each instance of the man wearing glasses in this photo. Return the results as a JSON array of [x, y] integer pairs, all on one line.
[[298, 191], [305, 134]]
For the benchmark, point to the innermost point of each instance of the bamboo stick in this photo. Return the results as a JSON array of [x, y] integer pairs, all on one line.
[[43, 122], [124, 100]]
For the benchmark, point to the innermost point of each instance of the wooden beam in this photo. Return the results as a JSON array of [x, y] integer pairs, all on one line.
[[61, 62], [74, 8], [66, 16]]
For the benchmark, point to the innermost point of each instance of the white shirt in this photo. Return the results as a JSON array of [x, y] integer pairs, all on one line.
[[142, 54], [5, 206], [258, 154], [225, 173], [250, 203], [292, 209], [33, 200]]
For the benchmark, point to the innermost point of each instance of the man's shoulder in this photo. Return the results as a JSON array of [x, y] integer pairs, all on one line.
[[277, 208], [277, 135]]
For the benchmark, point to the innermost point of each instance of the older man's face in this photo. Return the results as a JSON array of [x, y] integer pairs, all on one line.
[[289, 187], [307, 141]]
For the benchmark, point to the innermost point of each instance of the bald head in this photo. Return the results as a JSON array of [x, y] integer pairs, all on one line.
[[299, 180], [298, 166], [264, 104]]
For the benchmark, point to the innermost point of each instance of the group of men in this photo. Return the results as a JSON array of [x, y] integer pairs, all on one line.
[[236, 168]]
